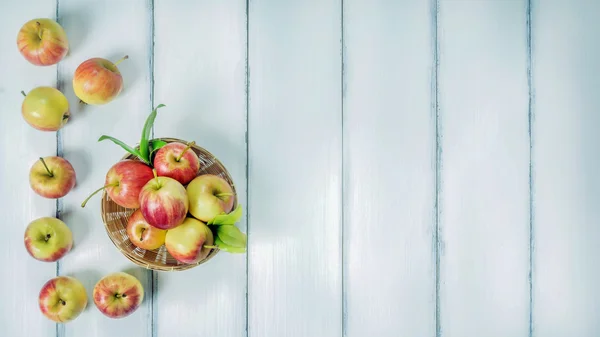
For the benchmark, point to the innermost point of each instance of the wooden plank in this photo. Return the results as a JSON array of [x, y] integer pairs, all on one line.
[[109, 29], [295, 172], [484, 197], [22, 146], [390, 171], [566, 80], [200, 75]]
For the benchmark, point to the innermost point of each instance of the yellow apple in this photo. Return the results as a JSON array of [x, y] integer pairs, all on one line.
[[45, 109]]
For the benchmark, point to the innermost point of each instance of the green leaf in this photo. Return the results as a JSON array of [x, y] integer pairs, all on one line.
[[144, 145], [225, 247], [124, 146], [232, 236], [227, 219], [155, 145]]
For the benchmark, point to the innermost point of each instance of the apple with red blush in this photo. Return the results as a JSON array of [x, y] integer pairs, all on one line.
[[176, 160], [164, 202], [124, 181], [98, 81], [118, 295], [42, 42], [142, 234], [52, 177]]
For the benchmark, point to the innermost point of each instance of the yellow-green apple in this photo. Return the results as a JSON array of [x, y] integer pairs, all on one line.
[[124, 181], [186, 242], [118, 294], [210, 195], [142, 234], [174, 160], [98, 81], [62, 299], [164, 202], [45, 109], [48, 239], [52, 177], [42, 42]]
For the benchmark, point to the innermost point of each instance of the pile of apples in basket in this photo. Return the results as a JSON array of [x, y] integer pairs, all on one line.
[[175, 206]]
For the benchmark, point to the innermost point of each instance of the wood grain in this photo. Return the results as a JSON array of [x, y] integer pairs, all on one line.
[[295, 169], [389, 169], [200, 75], [23, 277], [109, 29], [484, 197], [566, 83]]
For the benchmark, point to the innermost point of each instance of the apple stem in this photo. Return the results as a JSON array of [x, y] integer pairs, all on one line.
[[63, 302], [223, 195], [122, 59], [210, 246], [48, 236], [23, 93], [39, 26], [142, 234], [190, 144], [96, 191], [46, 166], [155, 176]]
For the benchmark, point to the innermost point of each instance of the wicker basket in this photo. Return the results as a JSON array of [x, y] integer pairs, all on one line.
[[115, 219]]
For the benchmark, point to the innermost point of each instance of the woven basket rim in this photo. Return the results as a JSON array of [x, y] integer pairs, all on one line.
[[152, 265]]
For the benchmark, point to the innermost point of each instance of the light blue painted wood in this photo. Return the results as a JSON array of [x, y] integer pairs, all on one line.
[[484, 197], [109, 29], [295, 129], [200, 74], [566, 82], [22, 276], [390, 172]]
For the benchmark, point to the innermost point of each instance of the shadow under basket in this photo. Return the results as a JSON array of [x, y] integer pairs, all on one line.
[[115, 219]]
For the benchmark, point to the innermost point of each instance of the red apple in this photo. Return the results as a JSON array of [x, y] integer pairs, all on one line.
[[48, 239], [45, 109], [209, 195], [186, 242], [164, 202], [42, 42], [142, 234], [62, 299], [124, 181], [52, 177], [175, 161], [118, 295], [98, 81]]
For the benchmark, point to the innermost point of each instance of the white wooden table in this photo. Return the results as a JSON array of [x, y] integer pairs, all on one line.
[[408, 168]]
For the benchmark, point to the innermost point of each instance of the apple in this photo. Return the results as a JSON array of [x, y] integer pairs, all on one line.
[[209, 195], [98, 81], [62, 299], [186, 242], [52, 177], [142, 235], [48, 239], [175, 161], [164, 202], [45, 109], [42, 42], [118, 294], [124, 181]]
